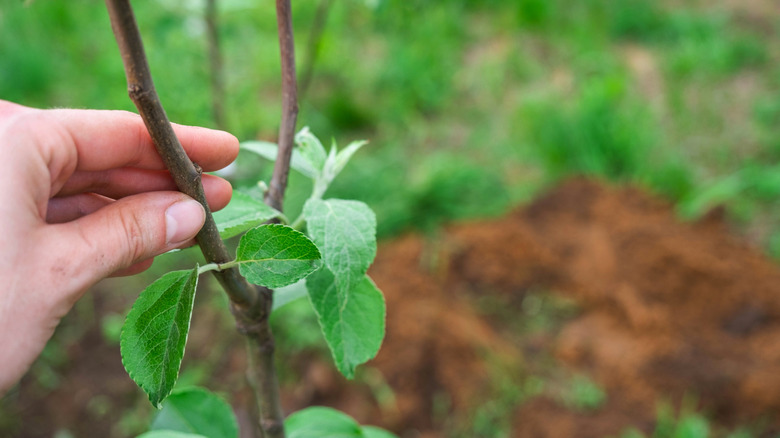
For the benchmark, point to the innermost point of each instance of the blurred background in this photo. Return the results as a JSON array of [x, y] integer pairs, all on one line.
[[479, 114]]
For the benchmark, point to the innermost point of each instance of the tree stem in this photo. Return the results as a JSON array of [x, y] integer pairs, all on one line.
[[215, 66], [186, 175], [261, 350], [278, 184], [250, 305]]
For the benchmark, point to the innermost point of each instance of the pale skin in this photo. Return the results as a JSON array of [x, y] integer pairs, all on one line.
[[84, 196]]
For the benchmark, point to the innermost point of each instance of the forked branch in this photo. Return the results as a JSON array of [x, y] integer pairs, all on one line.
[[250, 305], [186, 175]]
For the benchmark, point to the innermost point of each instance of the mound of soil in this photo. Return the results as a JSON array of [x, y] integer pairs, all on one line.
[[668, 310], [665, 310]]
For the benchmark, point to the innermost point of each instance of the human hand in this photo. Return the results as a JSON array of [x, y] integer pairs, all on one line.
[[84, 195]]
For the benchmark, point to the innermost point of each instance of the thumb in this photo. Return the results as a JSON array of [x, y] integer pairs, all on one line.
[[127, 231]]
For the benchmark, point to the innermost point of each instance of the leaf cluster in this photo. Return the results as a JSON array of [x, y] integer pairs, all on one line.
[[198, 413], [327, 263]]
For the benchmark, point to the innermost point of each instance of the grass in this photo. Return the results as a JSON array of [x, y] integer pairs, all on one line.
[[583, 394], [687, 422], [600, 133], [502, 99]]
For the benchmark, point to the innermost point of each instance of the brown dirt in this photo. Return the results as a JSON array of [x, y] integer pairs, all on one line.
[[667, 310]]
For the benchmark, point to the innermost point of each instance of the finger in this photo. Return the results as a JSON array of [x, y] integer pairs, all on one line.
[[136, 268], [139, 267], [8, 108], [111, 139], [120, 183], [73, 207], [119, 235]]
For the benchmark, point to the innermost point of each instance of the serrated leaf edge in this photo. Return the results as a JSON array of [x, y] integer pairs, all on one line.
[[347, 367], [294, 231], [157, 404], [316, 262]]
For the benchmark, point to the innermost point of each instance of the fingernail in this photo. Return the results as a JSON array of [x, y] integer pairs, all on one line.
[[183, 220]]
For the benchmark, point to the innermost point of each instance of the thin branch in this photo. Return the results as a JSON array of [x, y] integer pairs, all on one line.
[[250, 305], [216, 70], [261, 373], [186, 175], [278, 184], [261, 369], [313, 47], [261, 351]]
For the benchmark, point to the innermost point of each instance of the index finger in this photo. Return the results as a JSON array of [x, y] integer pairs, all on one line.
[[111, 139]]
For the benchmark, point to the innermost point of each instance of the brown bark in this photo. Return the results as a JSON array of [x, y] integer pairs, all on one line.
[[278, 184], [250, 305]]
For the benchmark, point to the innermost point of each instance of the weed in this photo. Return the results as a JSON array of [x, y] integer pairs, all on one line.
[[603, 133], [688, 425], [535, 12], [637, 20], [584, 394]]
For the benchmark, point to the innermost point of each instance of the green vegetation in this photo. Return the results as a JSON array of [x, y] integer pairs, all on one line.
[[583, 394], [688, 423], [471, 107], [349, 307], [503, 98]]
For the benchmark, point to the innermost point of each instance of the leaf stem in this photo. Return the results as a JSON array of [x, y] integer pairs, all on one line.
[[219, 266], [298, 223], [317, 192], [283, 219], [211, 267]]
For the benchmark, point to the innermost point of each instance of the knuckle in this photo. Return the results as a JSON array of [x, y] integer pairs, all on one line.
[[55, 142], [133, 238]]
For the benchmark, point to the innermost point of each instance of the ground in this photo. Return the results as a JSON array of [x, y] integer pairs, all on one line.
[[576, 315]]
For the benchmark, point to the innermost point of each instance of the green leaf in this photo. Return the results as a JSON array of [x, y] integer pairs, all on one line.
[[265, 149], [276, 255], [169, 434], [288, 294], [243, 212], [328, 170], [345, 155], [375, 432], [197, 410], [319, 422], [349, 307], [269, 151], [345, 232], [335, 161], [353, 320], [155, 333], [310, 148]]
